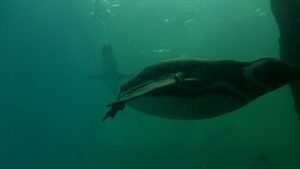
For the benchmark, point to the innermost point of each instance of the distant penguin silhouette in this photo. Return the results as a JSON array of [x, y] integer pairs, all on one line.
[[262, 162], [110, 70]]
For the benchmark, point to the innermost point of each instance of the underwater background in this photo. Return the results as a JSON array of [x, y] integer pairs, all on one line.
[[50, 112]]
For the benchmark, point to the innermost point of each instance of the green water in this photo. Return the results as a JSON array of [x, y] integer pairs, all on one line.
[[50, 112]]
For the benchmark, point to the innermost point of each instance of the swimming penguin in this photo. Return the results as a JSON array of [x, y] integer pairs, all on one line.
[[193, 89]]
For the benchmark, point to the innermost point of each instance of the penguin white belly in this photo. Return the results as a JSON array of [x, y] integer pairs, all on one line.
[[186, 108]]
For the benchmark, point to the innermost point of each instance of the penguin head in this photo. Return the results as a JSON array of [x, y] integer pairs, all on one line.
[[271, 73]]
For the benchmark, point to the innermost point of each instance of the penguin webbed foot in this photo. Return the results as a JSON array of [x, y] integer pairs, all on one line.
[[114, 110]]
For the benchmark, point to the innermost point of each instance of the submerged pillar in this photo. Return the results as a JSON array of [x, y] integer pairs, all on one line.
[[287, 16]]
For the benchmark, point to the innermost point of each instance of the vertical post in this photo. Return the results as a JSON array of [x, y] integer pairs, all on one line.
[[287, 15]]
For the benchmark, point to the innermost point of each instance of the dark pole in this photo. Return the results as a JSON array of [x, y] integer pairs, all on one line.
[[287, 15]]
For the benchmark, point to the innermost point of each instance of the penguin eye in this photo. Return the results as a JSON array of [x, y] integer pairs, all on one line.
[[179, 77]]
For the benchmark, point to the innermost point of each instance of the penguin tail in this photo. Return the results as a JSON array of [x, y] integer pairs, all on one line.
[[114, 110]]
